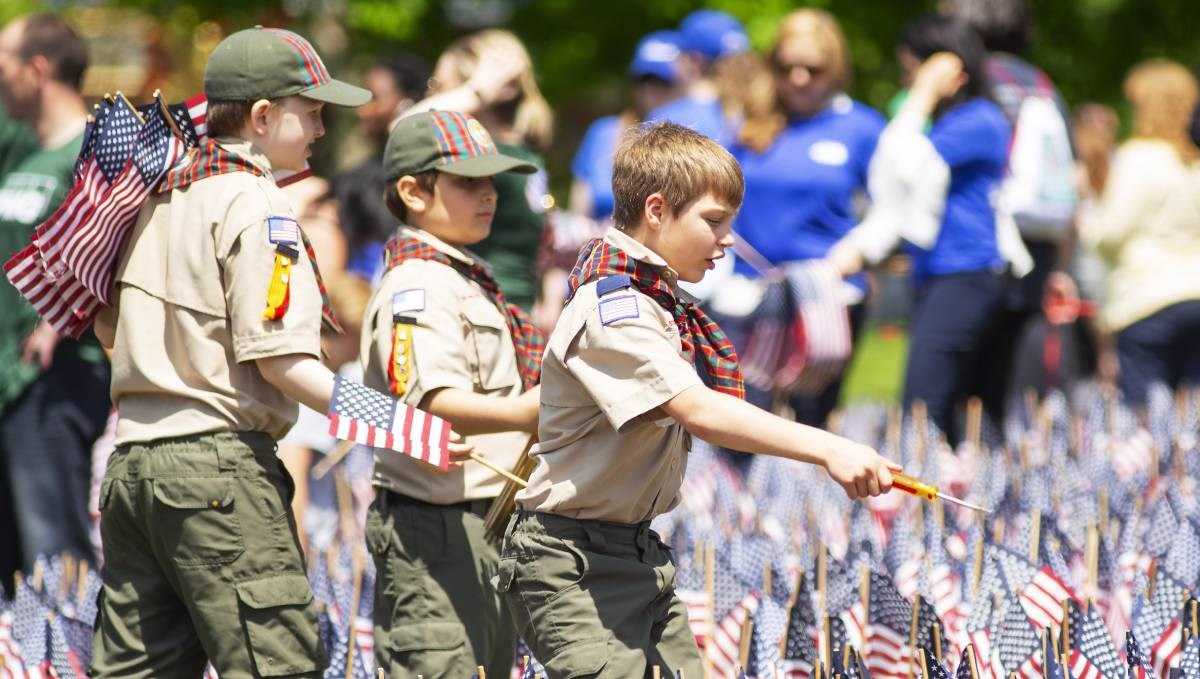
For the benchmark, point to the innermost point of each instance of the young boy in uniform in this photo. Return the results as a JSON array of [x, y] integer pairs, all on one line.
[[214, 330], [590, 586], [440, 335]]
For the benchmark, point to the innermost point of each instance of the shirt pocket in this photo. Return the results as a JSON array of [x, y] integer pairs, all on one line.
[[489, 346]]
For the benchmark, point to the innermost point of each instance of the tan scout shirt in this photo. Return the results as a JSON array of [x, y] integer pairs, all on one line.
[[191, 287], [460, 341], [605, 451]]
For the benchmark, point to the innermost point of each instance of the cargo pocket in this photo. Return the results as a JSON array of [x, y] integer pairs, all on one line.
[[430, 649], [281, 625], [196, 522], [580, 659]]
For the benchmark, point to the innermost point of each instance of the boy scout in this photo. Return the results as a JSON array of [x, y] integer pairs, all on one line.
[[440, 335], [589, 585], [214, 332]]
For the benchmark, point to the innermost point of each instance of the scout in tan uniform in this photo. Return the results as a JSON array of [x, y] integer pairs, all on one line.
[[590, 586], [214, 331], [439, 334]]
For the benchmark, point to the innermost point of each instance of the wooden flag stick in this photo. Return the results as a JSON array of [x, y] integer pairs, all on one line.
[[355, 598], [972, 663], [977, 567], [657, 672], [481, 672], [322, 467], [920, 418], [37, 576], [924, 660], [825, 650], [766, 577], [81, 585], [1195, 623], [1092, 560], [506, 474], [496, 521], [864, 591], [745, 641], [1065, 633], [821, 574], [975, 423], [1035, 535], [937, 641]]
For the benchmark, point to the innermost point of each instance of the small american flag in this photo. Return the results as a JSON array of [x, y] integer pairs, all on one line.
[[1139, 664], [361, 414]]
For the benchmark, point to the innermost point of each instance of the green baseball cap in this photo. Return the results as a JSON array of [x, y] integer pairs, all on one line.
[[446, 141], [269, 63]]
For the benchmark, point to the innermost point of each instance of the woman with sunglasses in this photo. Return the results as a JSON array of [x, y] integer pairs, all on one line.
[[804, 147]]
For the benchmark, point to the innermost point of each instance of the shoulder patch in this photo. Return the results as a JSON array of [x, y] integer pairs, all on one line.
[[615, 309], [283, 230], [612, 283], [407, 301]]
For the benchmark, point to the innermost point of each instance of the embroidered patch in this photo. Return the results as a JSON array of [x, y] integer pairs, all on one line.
[[615, 309], [282, 229], [409, 300]]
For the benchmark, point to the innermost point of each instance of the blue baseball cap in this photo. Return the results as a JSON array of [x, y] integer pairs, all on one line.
[[656, 55], [713, 34]]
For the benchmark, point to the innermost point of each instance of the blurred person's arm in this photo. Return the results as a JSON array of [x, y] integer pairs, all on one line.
[[493, 81]]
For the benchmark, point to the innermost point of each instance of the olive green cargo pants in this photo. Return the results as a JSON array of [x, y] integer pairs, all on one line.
[[595, 599], [202, 563], [436, 612]]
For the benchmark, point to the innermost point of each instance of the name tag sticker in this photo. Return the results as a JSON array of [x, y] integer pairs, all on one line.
[[614, 309], [829, 152], [281, 229], [407, 301]]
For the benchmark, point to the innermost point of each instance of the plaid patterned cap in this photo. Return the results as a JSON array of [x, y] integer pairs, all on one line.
[[446, 141], [268, 63]]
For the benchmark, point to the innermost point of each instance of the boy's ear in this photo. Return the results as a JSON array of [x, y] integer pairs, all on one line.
[[415, 198], [258, 116], [654, 210]]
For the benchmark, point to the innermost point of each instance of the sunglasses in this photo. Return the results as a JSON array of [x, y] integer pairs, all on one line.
[[814, 70]]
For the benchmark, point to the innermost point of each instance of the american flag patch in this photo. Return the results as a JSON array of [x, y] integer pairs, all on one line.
[[618, 308], [283, 230], [407, 301]]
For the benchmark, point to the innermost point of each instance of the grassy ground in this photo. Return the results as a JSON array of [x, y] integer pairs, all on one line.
[[877, 371]]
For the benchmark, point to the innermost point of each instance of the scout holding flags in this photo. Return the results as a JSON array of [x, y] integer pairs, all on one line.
[[213, 317]]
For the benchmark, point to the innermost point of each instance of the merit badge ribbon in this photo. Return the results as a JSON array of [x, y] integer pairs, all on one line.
[[284, 234]]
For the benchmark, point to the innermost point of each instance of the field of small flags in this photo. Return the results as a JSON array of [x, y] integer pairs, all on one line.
[[1085, 569]]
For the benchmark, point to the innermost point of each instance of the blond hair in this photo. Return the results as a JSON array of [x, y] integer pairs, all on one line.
[[765, 115], [531, 117], [677, 162], [1163, 95]]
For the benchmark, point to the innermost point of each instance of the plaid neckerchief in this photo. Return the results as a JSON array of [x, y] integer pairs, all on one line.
[[598, 259], [528, 341], [210, 159]]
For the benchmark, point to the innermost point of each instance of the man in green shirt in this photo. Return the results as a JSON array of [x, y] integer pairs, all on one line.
[[53, 391]]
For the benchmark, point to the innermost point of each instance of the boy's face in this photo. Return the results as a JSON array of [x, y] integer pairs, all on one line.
[[692, 241], [290, 127], [460, 209]]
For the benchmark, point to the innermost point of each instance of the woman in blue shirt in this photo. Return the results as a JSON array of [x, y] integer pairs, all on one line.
[[804, 157], [935, 191]]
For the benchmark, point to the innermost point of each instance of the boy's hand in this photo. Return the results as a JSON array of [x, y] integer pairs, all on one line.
[[459, 451], [859, 470]]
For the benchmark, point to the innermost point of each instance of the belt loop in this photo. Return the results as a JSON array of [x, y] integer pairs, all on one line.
[[226, 451], [595, 537]]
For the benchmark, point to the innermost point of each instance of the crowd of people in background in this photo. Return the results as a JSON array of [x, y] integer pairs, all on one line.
[[1041, 248]]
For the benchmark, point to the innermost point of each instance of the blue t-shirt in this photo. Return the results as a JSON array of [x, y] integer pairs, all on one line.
[[593, 163], [800, 191], [703, 116], [973, 140]]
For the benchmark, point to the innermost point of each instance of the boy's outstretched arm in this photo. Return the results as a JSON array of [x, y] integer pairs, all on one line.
[[474, 413], [730, 422]]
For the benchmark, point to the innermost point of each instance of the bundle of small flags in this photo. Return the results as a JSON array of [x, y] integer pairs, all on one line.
[[66, 271]]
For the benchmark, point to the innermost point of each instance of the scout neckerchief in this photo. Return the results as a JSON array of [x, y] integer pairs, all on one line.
[[211, 159], [527, 339], [598, 259]]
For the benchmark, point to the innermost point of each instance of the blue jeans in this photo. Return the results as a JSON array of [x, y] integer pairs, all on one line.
[[1163, 347], [46, 439], [958, 347]]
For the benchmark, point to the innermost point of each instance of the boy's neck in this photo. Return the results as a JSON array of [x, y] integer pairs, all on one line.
[[414, 222]]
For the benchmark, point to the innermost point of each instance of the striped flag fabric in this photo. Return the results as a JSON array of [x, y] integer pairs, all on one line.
[[361, 414], [65, 272], [820, 331], [1139, 665], [889, 618], [1043, 598], [1093, 655], [732, 605]]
